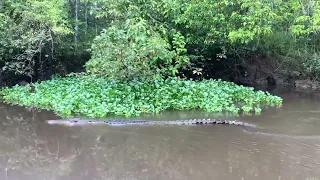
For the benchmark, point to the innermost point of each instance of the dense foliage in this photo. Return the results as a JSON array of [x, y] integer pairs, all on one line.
[[127, 42], [133, 50], [45, 37], [96, 97], [27, 30]]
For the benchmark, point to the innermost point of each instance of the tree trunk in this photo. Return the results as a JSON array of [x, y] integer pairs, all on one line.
[[86, 16], [76, 26]]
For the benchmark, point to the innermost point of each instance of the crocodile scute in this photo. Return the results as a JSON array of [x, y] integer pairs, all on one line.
[[81, 122]]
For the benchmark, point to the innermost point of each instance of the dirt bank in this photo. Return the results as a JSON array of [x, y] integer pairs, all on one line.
[[263, 71]]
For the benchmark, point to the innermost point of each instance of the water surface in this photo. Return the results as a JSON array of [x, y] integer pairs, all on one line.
[[286, 145]]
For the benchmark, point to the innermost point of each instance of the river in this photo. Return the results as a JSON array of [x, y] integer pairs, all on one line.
[[285, 145]]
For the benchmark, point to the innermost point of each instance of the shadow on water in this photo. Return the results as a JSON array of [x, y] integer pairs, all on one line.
[[287, 147]]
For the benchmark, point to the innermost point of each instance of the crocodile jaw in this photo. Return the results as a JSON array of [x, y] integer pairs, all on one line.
[[65, 123]]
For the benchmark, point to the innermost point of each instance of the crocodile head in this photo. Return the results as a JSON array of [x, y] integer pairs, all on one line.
[[70, 122]]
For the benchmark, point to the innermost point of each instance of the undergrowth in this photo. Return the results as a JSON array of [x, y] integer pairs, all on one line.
[[97, 97]]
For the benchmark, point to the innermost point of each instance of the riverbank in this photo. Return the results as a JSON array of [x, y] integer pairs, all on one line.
[[270, 73], [98, 97]]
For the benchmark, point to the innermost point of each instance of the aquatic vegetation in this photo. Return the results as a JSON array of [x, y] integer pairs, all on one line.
[[97, 97]]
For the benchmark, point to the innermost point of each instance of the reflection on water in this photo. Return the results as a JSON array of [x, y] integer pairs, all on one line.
[[286, 147]]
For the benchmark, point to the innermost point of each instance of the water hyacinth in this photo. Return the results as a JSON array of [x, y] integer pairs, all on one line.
[[98, 97]]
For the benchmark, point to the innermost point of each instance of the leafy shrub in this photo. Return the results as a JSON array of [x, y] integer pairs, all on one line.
[[97, 97], [312, 66], [28, 33], [132, 50]]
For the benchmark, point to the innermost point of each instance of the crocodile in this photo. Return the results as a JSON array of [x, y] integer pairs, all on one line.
[[81, 122]]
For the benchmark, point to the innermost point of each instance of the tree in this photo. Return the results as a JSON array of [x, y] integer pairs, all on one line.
[[29, 31]]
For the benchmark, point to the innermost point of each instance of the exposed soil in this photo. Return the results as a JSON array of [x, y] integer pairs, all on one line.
[[262, 71]]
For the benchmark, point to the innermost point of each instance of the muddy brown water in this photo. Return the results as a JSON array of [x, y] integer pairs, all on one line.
[[286, 145]]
